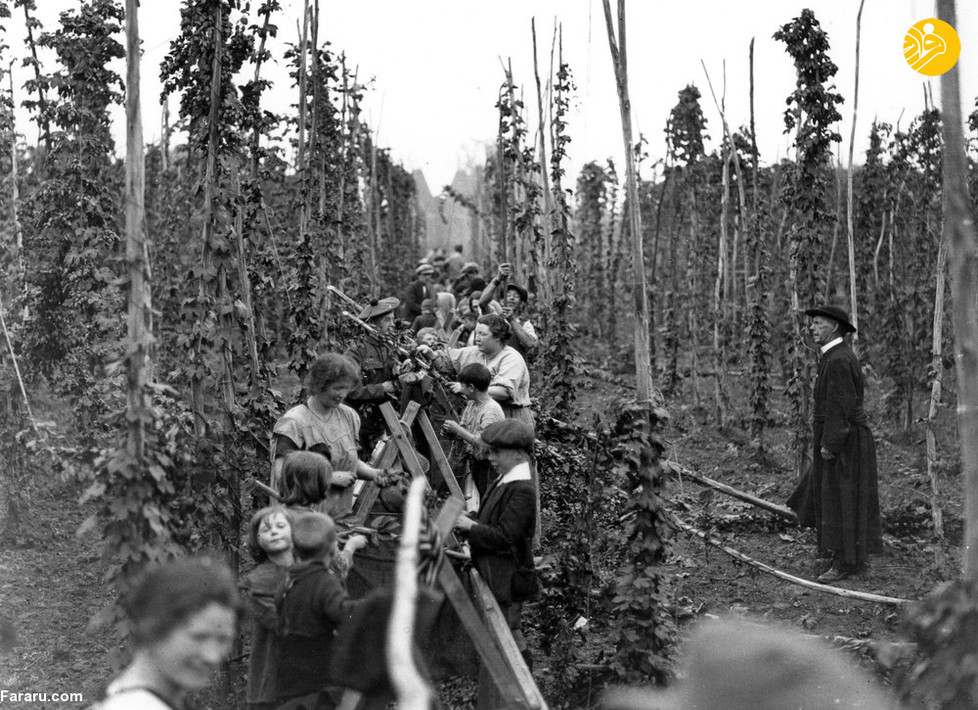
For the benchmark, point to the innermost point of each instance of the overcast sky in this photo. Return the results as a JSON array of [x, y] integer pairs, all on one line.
[[436, 66]]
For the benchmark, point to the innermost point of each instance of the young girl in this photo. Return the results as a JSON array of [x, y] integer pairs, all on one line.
[[307, 485], [270, 543]]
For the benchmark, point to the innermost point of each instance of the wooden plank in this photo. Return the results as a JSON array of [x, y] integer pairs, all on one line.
[[438, 454], [492, 658], [368, 496], [447, 516], [499, 628]]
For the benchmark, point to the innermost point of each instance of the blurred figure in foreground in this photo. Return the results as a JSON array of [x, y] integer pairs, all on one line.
[[739, 665], [183, 619]]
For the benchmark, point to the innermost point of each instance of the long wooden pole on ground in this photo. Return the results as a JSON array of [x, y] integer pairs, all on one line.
[[137, 255], [683, 472], [643, 358], [815, 586], [963, 270]]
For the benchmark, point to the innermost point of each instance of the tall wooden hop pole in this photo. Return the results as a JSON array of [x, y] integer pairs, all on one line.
[[140, 337], [963, 268], [619, 59]]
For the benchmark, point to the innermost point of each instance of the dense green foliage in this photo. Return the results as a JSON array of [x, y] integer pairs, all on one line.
[[251, 214]]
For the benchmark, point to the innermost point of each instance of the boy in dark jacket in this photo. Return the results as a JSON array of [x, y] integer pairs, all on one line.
[[310, 609], [427, 319]]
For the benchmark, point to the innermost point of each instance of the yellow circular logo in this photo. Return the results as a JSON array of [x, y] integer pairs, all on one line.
[[931, 47]]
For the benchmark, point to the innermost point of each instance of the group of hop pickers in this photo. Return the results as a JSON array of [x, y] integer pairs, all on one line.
[[296, 596]]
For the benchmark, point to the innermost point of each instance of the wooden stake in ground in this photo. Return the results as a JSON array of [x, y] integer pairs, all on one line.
[[14, 184], [139, 340], [849, 226], [964, 293], [210, 191], [543, 264], [619, 59], [937, 370]]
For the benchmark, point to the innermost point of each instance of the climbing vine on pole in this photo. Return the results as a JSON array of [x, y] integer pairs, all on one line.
[[812, 114]]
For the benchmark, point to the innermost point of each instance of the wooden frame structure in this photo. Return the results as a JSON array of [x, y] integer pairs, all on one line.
[[479, 613]]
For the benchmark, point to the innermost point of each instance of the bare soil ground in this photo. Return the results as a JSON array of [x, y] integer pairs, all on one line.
[[51, 581]]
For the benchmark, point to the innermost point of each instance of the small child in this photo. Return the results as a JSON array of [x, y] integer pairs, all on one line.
[[309, 481], [429, 337], [480, 411], [270, 543], [312, 606], [427, 319], [308, 485]]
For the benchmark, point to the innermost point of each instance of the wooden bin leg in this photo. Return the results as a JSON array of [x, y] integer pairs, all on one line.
[[493, 660], [499, 628]]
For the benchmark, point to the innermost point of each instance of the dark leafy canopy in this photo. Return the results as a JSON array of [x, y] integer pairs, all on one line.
[[187, 68], [812, 106], [686, 128], [71, 221], [812, 112]]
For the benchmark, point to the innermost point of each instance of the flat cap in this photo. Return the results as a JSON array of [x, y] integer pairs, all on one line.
[[509, 434], [424, 269], [378, 308], [470, 266]]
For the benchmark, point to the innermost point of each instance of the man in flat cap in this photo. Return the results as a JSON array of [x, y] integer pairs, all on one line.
[[840, 496], [378, 370], [523, 337], [501, 537], [417, 291]]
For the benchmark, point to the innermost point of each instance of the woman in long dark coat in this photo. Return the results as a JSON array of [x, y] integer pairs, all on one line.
[[841, 497]]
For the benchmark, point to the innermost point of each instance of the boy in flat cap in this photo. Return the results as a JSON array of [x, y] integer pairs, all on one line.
[[501, 536], [839, 497]]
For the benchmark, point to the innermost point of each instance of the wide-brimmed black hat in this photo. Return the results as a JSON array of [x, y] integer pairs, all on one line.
[[835, 313], [378, 308]]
